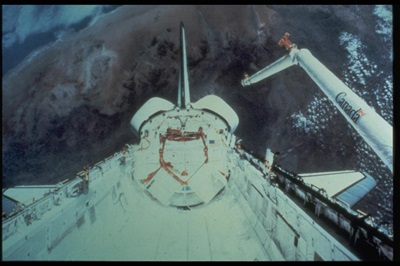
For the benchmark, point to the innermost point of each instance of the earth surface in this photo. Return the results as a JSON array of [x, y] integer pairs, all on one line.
[[73, 77]]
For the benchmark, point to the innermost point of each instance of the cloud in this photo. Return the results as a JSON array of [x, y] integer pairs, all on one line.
[[19, 22]]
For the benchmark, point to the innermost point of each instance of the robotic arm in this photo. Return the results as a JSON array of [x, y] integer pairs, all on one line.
[[371, 126]]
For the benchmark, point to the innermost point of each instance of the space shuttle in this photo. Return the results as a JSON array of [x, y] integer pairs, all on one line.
[[188, 192]]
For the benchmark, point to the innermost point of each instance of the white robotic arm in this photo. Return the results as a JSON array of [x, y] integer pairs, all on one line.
[[371, 126]]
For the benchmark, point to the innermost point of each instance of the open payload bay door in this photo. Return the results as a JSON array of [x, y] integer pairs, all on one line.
[[22, 196], [348, 186]]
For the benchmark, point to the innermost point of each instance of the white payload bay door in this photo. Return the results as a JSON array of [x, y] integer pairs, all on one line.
[[349, 186]]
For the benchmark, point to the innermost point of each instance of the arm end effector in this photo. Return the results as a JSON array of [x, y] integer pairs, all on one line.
[[246, 80]]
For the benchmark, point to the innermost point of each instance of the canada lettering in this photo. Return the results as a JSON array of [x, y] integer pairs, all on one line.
[[347, 108]]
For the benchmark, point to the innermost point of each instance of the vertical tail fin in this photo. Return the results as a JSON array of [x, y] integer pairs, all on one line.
[[183, 93], [180, 89]]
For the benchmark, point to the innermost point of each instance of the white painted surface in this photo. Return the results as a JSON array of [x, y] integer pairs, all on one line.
[[149, 108], [27, 194], [118, 221], [333, 182], [219, 106]]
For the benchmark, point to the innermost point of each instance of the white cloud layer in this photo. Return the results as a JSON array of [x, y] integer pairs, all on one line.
[[21, 21]]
